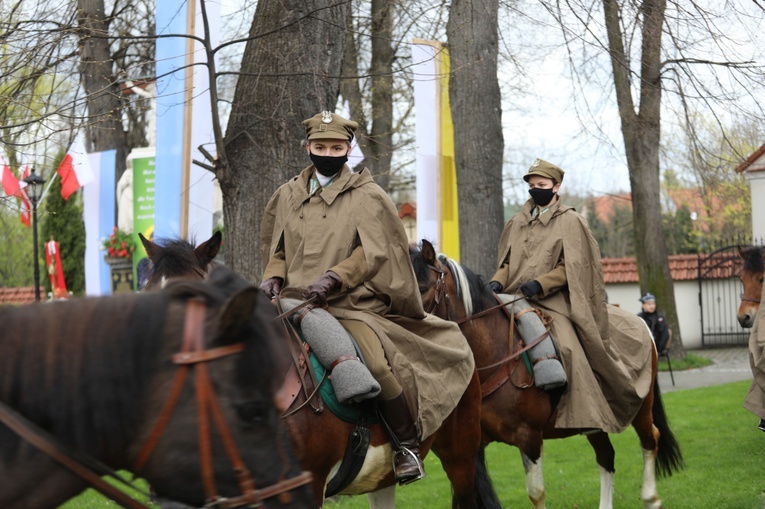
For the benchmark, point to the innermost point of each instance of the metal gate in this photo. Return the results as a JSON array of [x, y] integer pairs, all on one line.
[[719, 298]]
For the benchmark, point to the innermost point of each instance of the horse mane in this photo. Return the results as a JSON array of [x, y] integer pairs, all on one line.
[[58, 363], [471, 288], [753, 259]]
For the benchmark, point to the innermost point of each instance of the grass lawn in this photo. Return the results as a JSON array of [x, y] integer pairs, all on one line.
[[723, 450]]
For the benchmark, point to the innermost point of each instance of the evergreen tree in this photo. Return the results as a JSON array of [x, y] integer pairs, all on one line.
[[62, 221], [15, 248]]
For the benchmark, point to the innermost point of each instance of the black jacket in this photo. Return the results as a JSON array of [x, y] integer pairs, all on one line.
[[659, 329]]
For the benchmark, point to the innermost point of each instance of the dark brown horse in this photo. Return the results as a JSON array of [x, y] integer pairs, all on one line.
[[517, 412], [320, 438], [751, 278], [173, 258], [97, 374]]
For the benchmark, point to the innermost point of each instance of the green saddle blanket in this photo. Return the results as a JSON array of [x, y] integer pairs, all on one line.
[[354, 413]]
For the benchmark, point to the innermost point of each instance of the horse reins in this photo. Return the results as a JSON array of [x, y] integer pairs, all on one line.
[[440, 293], [193, 356]]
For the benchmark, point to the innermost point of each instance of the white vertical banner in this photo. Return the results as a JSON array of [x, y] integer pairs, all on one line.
[[200, 192], [98, 214], [427, 109]]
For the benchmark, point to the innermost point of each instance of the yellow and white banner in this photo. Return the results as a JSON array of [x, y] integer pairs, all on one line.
[[437, 210]]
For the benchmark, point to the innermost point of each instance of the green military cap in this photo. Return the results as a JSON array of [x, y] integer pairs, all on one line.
[[329, 126], [545, 169]]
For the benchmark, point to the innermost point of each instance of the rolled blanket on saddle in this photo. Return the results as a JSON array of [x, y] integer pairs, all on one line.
[[333, 346], [548, 369]]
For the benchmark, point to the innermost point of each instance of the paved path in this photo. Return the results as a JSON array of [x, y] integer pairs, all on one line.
[[730, 365]]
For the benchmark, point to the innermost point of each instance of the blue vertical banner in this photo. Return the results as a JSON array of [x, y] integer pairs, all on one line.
[[181, 129], [171, 57]]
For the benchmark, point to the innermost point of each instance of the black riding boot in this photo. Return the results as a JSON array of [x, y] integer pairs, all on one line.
[[406, 462]]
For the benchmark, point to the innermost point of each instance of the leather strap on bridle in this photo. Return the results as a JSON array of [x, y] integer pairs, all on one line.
[[194, 357], [440, 291], [747, 299], [47, 444]]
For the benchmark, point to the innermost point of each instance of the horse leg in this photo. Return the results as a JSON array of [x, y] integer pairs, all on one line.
[[382, 499], [459, 447], [604, 455], [649, 442], [535, 481]]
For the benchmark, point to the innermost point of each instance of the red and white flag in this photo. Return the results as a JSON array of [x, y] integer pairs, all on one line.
[[74, 170], [10, 181]]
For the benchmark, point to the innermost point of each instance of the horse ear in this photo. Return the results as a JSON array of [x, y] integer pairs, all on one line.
[[428, 252], [152, 250], [236, 315], [208, 250], [741, 251]]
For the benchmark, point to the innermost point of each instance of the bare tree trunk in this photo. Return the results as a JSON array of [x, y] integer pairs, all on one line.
[[289, 73], [641, 129], [381, 136], [376, 141], [478, 143], [104, 126]]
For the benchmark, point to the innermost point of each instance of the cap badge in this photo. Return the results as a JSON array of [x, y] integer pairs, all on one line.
[[536, 163], [326, 116]]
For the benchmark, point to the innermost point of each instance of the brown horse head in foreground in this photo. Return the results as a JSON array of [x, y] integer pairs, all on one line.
[[96, 373]]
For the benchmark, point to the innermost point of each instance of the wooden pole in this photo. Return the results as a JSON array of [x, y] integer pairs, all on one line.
[[188, 98]]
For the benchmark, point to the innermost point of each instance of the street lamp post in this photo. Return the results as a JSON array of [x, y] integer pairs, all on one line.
[[34, 189]]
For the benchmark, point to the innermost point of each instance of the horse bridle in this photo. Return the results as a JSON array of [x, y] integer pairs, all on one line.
[[440, 291], [193, 356], [748, 299]]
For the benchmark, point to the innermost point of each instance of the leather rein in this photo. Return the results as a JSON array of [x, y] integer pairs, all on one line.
[[441, 294], [192, 357]]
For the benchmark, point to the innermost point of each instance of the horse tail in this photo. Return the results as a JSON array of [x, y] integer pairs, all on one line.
[[486, 497], [669, 458]]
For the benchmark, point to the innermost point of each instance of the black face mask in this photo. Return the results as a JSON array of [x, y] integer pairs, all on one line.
[[328, 165], [541, 196]]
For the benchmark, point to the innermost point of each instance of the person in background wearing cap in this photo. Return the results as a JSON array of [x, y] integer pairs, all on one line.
[[337, 234], [548, 254], [655, 321]]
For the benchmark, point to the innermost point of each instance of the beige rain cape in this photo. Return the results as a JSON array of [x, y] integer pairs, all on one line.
[[304, 236], [606, 351], [755, 399]]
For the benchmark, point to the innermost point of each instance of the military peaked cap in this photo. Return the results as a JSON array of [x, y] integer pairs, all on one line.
[[545, 169], [329, 126]]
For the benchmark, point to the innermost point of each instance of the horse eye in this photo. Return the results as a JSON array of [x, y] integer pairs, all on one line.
[[423, 290], [251, 412]]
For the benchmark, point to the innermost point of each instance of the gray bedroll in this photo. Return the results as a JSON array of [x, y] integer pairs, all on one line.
[[329, 341], [548, 369]]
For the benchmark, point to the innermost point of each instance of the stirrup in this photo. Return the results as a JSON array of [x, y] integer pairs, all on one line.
[[418, 461]]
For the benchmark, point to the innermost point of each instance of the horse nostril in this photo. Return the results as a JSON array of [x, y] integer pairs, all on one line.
[[746, 321]]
